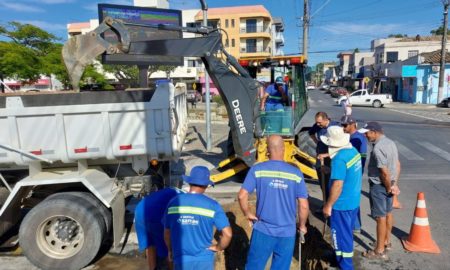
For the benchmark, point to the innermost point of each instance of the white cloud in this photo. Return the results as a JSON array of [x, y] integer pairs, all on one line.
[[93, 6], [48, 26], [20, 7], [363, 29]]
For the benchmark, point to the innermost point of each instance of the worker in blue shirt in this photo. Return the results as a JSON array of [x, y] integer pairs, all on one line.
[[280, 188], [345, 193], [322, 122], [359, 141], [189, 222], [275, 96], [149, 228]]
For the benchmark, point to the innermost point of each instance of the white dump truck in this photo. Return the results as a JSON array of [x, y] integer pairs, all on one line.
[[73, 158]]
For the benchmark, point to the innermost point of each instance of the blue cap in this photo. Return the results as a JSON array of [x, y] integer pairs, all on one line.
[[199, 176], [371, 126], [279, 80]]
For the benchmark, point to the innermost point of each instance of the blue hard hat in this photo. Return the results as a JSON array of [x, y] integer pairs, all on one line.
[[199, 176], [279, 80]]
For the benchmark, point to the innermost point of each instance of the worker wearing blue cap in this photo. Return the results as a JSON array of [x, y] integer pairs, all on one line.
[[189, 222], [275, 96]]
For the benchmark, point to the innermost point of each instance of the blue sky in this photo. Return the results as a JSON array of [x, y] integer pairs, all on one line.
[[336, 24]]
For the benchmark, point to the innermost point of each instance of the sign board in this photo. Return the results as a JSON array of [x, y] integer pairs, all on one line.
[[143, 16], [435, 68], [366, 79], [409, 71]]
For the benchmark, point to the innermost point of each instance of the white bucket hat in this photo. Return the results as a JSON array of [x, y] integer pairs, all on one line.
[[336, 139]]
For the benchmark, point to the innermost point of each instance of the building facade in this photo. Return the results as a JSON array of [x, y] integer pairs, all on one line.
[[248, 28]]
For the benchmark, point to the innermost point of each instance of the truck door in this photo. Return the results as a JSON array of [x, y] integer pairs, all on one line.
[[357, 98]]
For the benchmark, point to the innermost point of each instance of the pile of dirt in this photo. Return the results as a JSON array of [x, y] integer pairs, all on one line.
[[316, 252]]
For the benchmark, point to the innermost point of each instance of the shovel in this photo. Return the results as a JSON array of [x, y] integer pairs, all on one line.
[[324, 194], [301, 240]]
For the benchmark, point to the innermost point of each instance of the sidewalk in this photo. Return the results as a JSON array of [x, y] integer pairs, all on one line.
[[413, 106]]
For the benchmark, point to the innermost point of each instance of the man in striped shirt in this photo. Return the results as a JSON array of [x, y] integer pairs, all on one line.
[[280, 191], [345, 193], [189, 223]]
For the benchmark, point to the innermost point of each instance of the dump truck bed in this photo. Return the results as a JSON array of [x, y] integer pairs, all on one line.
[[109, 125]]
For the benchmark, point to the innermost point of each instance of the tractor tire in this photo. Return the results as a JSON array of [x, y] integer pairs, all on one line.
[[62, 234]]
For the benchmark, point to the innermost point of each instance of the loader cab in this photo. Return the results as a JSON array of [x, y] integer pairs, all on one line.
[[281, 120]]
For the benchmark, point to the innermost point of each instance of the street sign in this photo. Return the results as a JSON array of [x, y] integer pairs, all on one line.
[[194, 86], [366, 79]]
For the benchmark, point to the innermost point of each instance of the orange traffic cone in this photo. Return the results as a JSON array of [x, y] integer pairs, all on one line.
[[395, 203], [419, 239]]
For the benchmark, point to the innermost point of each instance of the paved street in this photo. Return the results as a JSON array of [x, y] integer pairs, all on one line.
[[424, 148]]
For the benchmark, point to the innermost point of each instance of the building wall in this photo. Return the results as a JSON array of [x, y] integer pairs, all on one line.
[[151, 3], [238, 32]]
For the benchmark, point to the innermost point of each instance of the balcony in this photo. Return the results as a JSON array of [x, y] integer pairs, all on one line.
[[255, 51], [279, 38]]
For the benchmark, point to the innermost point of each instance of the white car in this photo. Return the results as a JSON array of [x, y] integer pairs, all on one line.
[[363, 98], [310, 87]]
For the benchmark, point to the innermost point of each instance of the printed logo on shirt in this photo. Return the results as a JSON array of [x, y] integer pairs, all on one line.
[[188, 220], [278, 184]]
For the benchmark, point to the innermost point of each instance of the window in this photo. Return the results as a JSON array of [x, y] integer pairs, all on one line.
[[232, 22], [226, 43], [226, 23], [412, 53], [250, 26], [232, 43], [391, 57], [191, 63], [251, 45], [381, 58]]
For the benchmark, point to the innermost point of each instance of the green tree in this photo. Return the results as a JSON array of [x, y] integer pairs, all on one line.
[[124, 74], [19, 62], [397, 35], [439, 31]]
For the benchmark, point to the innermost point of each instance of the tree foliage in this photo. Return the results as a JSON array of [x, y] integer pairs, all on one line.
[[397, 35], [124, 74], [439, 31]]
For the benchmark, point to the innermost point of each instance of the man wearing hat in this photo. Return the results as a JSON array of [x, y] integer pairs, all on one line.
[[274, 96], [383, 172], [189, 222], [359, 141], [345, 193], [281, 194]]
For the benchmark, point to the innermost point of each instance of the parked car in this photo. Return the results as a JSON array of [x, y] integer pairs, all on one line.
[[310, 87], [363, 98], [324, 87], [445, 103], [338, 91], [330, 89], [193, 96]]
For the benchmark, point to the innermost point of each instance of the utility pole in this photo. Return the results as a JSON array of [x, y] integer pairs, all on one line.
[[305, 27], [207, 93], [443, 52]]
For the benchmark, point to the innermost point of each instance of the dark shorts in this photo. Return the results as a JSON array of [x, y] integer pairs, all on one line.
[[380, 201]]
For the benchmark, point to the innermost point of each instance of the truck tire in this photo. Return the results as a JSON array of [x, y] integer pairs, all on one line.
[[61, 234], [377, 104], [91, 199]]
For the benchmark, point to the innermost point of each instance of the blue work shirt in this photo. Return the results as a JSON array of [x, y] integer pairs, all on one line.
[[346, 166], [359, 141], [278, 185], [321, 148], [149, 213], [275, 96], [191, 218]]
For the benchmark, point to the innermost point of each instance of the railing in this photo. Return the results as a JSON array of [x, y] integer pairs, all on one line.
[[254, 29], [255, 49]]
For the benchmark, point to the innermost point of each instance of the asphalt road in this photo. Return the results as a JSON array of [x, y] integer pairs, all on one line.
[[423, 140], [422, 136]]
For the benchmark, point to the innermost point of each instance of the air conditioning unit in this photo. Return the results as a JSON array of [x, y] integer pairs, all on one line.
[[435, 68]]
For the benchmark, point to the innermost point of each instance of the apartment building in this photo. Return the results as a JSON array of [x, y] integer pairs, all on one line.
[[248, 28], [277, 36]]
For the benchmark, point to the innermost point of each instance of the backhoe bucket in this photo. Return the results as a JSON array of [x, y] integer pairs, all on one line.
[[78, 52]]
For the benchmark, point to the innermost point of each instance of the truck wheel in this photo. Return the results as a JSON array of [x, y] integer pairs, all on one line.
[[377, 104], [88, 198], [61, 234]]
